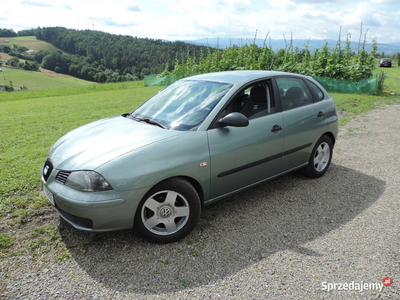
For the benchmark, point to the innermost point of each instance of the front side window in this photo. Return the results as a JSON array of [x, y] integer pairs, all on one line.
[[253, 101], [294, 92], [183, 105]]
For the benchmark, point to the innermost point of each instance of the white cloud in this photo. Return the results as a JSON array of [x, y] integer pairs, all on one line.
[[208, 5], [192, 19], [36, 3], [134, 7]]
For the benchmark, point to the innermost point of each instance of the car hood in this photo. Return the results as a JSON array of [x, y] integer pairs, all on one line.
[[97, 143]]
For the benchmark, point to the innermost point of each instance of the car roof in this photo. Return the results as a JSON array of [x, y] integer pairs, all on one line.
[[238, 77]]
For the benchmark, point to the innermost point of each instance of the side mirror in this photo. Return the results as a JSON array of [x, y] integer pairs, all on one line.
[[234, 119]]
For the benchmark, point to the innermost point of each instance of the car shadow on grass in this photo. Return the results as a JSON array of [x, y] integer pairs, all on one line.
[[232, 234]]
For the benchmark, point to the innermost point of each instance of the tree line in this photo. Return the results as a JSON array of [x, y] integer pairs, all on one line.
[[4, 32], [100, 56], [105, 57]]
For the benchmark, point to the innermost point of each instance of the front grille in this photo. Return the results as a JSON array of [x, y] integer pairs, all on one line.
[[68, 216], [62, 176], [83, 222]]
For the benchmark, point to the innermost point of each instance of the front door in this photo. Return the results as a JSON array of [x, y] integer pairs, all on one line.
[[243, 156]]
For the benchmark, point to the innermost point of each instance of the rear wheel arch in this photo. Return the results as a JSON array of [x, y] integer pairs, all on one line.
[[320, 157], [331, 136]]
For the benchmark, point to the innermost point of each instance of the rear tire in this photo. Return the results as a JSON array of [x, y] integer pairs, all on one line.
[[168, 212], [320, 158]]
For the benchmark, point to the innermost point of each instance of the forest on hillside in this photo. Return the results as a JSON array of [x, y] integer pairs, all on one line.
[[105, 57], [100, 56]]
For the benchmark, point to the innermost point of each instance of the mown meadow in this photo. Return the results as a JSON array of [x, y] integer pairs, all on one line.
[[31, 80], [30, 42], [31, 121]]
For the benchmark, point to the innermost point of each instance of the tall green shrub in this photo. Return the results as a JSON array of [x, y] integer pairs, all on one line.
[[336, 63]]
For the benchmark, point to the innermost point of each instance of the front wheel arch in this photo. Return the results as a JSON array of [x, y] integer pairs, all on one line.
[[168, 212], [196, 185]]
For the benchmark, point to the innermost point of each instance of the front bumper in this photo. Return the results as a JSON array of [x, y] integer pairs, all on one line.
[[93, 211]]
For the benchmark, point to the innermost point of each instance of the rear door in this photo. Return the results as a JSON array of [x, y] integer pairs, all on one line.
[[303, 119]]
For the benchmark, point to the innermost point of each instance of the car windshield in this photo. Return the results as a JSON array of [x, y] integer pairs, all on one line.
[[183, 105]]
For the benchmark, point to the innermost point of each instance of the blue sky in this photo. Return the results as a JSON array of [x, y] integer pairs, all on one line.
[[190, 20]]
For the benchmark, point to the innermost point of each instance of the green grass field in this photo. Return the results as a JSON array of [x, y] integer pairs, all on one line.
[[29, 42], [39, 80], [31, 121], [354, 104]]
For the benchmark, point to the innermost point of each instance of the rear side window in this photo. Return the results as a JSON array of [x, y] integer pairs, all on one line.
[[294, 92], [317, 91]]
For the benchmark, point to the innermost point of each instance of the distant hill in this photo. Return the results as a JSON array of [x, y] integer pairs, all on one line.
[[99, 56], [275, 45], [104, 57]]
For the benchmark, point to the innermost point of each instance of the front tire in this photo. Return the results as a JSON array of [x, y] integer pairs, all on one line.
[[168, 212], [320, 158]]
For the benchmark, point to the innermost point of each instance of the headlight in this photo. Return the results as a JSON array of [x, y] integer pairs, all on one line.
[[87, 181]]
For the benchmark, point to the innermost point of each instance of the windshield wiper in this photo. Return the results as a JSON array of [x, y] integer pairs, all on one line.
[[154, 122], [150, 121]]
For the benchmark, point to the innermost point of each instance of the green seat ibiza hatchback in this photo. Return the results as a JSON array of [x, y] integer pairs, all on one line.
[[199, 140]]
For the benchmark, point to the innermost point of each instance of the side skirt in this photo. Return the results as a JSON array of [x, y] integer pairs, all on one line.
[[210, 201]]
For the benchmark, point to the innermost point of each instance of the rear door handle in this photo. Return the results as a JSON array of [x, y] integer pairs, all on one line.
[[276, 128], [321, 114]]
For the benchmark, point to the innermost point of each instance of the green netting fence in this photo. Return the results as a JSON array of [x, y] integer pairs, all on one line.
[[343, 86]]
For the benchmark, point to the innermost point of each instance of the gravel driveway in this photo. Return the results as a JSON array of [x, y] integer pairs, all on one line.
[[291, 238]]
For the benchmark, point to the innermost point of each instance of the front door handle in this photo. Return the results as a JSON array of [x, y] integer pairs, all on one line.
[[276, 128], [321, 114]]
